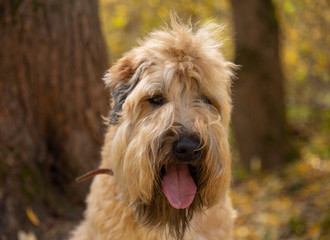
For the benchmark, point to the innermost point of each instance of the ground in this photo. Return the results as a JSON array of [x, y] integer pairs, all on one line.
[[292, 203]]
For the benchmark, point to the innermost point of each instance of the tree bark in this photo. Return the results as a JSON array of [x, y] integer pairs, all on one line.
[[259, 118], [52, 57]]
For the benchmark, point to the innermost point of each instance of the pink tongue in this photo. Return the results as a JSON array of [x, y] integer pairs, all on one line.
[[178, 186]]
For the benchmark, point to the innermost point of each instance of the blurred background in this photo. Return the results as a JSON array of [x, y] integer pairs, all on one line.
[[54, 53]]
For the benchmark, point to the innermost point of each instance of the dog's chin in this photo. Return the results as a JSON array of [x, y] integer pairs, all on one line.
[[164, 213]]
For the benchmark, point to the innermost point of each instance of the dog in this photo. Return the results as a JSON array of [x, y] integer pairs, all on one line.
[[166, 143]]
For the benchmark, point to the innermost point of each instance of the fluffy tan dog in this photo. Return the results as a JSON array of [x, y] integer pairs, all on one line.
[[167, 142]]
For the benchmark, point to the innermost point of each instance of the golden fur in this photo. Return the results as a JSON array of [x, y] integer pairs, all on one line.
[[183, 71]]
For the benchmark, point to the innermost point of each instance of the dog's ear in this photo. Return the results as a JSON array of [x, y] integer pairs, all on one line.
[[120, 73], [122, 78]]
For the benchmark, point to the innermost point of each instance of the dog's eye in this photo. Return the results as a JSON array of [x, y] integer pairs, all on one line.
[[157, 100], [206, 100]]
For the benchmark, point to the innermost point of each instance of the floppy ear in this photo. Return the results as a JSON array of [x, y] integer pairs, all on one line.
[[122, 78], [120, 73]]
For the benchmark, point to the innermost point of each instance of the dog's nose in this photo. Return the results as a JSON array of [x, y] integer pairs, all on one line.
[[187, 149]]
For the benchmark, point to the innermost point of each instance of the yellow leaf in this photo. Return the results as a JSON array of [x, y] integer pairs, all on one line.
[[315, 229], [32, 216]]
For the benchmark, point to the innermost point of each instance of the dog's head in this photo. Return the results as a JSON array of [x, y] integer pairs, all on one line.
[[171, 111]]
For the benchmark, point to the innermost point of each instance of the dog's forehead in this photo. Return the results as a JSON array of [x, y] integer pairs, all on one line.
[[167, 77], [176, 78]]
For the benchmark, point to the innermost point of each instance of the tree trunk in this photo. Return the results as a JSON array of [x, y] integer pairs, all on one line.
[[259, 110], [52, 57]]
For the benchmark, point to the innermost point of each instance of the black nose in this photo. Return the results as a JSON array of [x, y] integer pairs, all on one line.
[[187, 149]]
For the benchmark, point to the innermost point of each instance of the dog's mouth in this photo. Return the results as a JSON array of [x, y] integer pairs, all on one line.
[[179, 186]]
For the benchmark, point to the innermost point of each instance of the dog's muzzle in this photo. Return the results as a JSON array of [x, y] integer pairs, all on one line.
[[178, 183]]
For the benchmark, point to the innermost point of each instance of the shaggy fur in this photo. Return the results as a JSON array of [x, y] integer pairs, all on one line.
[[175, 84]]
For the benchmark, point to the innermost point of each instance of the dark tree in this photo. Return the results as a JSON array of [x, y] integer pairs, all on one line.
[[259, 117], [52, 57]]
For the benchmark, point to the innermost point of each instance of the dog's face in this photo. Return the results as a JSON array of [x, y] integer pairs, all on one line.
[[171, 111]]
